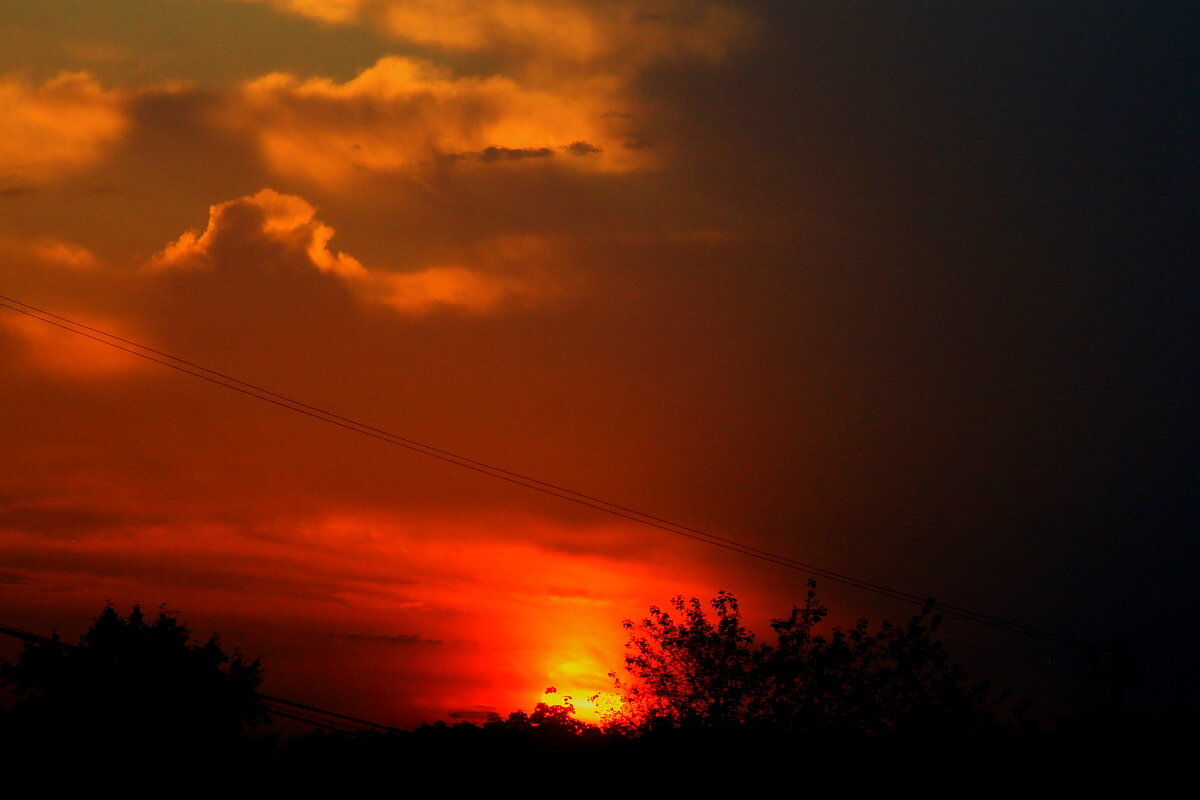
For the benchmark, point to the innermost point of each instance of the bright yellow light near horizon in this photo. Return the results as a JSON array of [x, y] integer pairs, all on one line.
[[584, 683]]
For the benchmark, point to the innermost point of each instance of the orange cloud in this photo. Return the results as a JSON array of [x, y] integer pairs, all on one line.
[[63, 354], [324, 10], [270, 230], [563, 93], [451, 287], [48, 251], [506, 272], [571, 31], [244, 225], [404, 114], [61, 126]]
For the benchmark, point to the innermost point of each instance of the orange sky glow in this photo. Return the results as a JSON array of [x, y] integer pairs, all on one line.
[[846, 284], [371, 582]]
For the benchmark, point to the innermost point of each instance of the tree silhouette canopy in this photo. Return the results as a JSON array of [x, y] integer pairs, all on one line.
[[691, 672], [133, 680]]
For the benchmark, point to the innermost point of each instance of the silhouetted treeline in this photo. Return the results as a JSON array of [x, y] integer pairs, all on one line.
[[138, 690], [130, 685]]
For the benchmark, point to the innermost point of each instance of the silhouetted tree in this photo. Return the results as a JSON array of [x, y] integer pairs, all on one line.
[[133, 682], [545, 723], [695, 673]]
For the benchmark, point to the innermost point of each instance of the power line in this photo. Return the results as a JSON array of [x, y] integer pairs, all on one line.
[[520, 479], [297, 707]]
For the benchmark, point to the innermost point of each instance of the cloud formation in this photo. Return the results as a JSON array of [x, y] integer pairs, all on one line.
[[280, 233], [60, 126], [48, 252], [561, 76], [405, 115], [564, 31], [62, 354], [284, 224]]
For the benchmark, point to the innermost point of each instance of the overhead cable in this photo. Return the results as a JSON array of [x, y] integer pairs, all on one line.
[[520, 479]]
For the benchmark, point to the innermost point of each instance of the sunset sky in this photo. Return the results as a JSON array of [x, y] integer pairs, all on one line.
[[903, 289]]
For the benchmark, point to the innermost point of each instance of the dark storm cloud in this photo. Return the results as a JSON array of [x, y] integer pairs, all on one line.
[[13, 192]]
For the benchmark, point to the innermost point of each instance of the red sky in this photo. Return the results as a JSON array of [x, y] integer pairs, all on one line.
[[892, 289]]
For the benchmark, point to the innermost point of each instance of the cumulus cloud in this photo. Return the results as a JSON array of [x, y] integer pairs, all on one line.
[[565, 80], [60, 126], [268, 223], [404, 114], [280, 232]]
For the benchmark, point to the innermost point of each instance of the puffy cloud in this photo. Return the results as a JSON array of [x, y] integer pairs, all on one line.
[[284, 225], [274, 231], [563, 82], [61, 126], [404, 114]]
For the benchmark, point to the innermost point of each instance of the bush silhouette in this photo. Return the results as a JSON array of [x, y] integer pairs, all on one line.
[[133, 683], [690, 672]]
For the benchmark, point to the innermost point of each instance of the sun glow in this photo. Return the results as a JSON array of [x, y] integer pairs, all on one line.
[[584, 684], [469, 622]]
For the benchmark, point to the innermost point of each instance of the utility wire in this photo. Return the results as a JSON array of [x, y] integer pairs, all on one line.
[[363, 722], [519, 479]]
